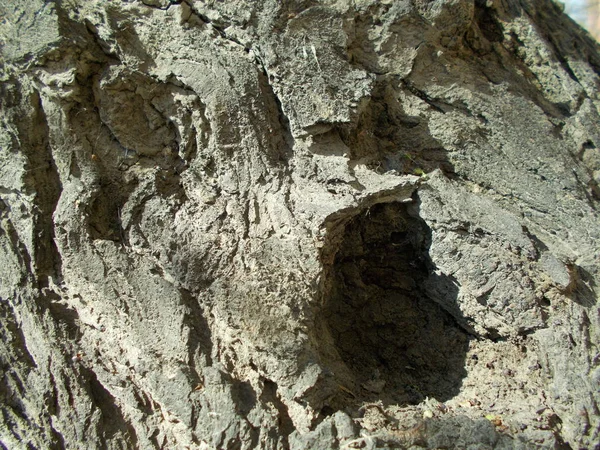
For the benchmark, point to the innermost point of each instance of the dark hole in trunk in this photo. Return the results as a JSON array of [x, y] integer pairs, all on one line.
[[394, 341]]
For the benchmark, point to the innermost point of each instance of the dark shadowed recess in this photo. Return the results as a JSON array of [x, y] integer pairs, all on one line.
[[396, 343], [113, 425], [387, 138]]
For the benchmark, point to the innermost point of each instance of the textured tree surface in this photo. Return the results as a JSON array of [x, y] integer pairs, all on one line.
[[298, 224]]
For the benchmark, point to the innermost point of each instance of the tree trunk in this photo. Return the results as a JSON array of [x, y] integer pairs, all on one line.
[[298, 224]]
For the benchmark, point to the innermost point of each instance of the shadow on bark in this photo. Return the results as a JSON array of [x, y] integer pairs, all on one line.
[[386, 337]]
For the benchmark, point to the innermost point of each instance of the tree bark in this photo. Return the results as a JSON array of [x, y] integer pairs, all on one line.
[[298, 224]]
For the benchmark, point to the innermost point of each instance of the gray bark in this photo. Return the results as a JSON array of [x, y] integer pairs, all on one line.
[[298, 224]]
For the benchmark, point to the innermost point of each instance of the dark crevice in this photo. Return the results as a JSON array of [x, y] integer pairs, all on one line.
[[590, 190], [538, 245], [494, 335], [100, 43], [142, 402], [190, 151], [593, 194], [104, 212], [286, 426], [423, 96], [59, 440], [585, 287], [386, 138], [67, 319], [244, 397], [488, 22], [114, 425], [153, 438], [394, 340], [172, 158], [199, 339], [162, 8], [46, 184], [285, 152], [51, 396]]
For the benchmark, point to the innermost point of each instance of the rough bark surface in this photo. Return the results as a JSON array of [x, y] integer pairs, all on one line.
[[298, 224]]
